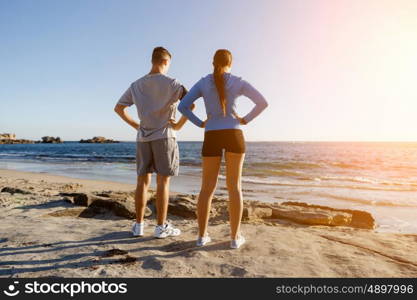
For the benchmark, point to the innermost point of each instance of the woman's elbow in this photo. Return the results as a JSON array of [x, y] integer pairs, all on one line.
[[182, 108]]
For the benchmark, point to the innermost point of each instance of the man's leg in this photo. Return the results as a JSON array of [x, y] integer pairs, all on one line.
[[141, 196], [162, 198], [163, 229], [166, 162]]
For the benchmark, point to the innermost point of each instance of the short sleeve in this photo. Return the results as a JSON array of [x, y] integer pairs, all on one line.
[[126, 99], [178, 90]]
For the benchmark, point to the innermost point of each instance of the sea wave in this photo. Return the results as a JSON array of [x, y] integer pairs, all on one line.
[[319, 184], [285, 165], [375, 181], [277, 172], [373, 202], [299, 175], [344, 165], [70, 157]]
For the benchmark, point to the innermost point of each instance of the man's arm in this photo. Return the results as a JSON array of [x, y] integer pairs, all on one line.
[[122, 112]]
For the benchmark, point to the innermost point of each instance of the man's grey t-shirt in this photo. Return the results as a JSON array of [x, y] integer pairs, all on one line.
[[156, 97]]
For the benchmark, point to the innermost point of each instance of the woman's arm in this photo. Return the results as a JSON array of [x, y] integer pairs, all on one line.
[[178, 125], [260, 103], [187, 101]]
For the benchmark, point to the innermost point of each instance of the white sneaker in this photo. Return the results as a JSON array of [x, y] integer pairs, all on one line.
[[234, 244], [201, 241], [137, 229], [166, 230]]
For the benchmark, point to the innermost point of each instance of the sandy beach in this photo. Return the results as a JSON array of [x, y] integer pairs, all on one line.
[[44, 234]]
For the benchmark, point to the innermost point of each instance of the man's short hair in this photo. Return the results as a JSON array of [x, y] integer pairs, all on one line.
[[160, 54]]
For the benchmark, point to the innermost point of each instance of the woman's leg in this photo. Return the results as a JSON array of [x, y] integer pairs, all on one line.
[[211, 166], [234, 165]]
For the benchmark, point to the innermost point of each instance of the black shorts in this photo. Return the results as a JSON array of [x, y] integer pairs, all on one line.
[[231, 140]]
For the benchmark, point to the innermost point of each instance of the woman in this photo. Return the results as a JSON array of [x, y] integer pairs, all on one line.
[[220, 91]]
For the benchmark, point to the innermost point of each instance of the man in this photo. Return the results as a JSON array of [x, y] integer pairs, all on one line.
[[155, 96]]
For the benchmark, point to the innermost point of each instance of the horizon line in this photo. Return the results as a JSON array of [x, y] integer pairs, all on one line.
[[288, 141]]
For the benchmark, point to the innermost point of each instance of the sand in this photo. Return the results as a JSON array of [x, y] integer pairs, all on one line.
[[38, 240]]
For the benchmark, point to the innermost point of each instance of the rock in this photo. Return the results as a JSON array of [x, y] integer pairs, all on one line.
[[359, 219], [127, 260], [152, 263], [48, 192], [7, 136], [124, 208], [186, 206], [67, 199], [312, 216], [104, 194], [19, 141], [51, 140], [217, 199], [98, 139], [122, 204], [103, 272], [12, 191], [113, 252], [118, 194], [230, 270], [69, 212], [255, 212], [81, 199], [71, 186], [182, 206], [68, 194], [91, 212], [10, 138]]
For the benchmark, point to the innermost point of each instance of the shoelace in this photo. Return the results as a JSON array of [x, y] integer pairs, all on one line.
[[166, 228], [169, 228]]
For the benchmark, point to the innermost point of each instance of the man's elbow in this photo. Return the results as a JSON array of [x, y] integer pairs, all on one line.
[[118, 109]]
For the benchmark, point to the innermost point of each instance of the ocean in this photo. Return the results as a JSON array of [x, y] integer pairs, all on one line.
[[379, 177]]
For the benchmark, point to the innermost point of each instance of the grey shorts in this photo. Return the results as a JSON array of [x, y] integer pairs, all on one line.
[[159, 156]]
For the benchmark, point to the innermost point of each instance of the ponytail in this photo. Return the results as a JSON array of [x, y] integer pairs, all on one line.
[[219, 82], [222, 59]]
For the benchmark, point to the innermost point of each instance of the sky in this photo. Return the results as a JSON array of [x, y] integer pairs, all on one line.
[[336, 70]]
